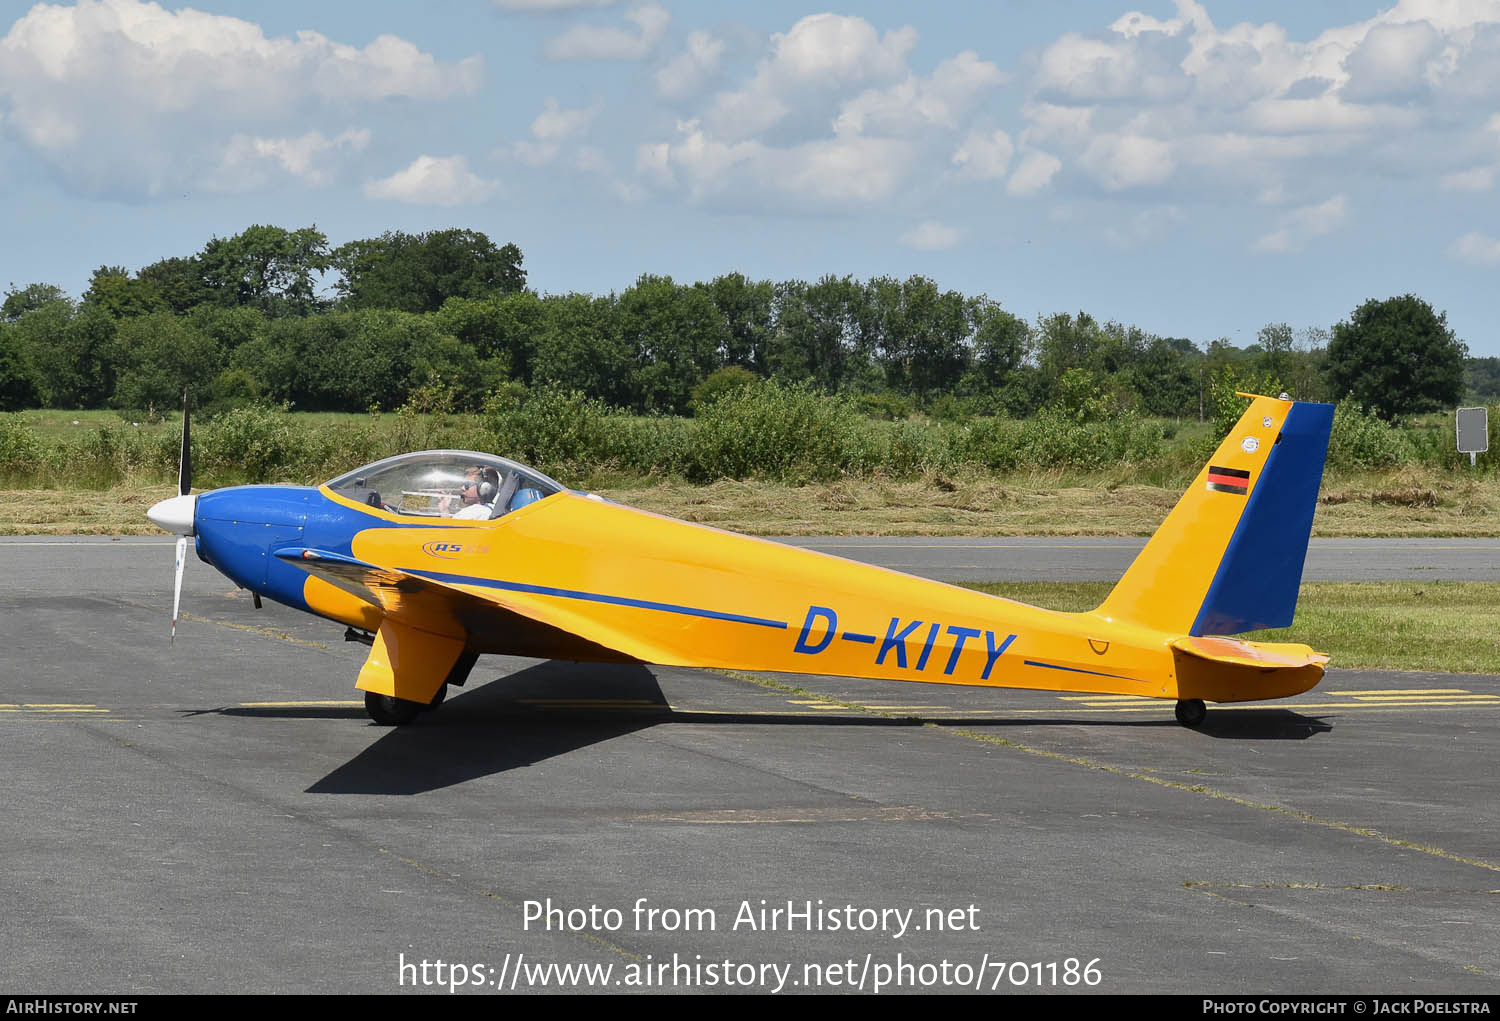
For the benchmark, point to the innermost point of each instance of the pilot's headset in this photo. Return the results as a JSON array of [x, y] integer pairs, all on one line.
[[489, 483]]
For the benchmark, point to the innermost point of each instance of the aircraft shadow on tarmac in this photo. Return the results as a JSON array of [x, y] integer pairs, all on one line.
[[1234, 724], [513, 722], [554, 708]]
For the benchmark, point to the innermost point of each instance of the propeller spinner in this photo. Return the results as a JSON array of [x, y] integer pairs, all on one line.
[[175, 514]]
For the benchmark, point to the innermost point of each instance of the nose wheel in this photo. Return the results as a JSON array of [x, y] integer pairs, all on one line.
[[1191, 712]]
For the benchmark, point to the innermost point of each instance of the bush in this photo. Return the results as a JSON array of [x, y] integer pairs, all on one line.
[[560, 432], [1361, 441], [720, 382], [1224, 395], [884, 405], [915, 448], [785, 433], [1053, 439], [21, 453], [249, 444]]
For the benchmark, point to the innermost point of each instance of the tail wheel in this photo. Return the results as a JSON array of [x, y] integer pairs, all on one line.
[[1191, 712]]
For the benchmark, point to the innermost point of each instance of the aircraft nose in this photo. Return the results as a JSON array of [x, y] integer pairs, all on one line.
[[174, 514]]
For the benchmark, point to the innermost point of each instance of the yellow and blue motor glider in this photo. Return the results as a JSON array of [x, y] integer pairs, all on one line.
[[528, 567]]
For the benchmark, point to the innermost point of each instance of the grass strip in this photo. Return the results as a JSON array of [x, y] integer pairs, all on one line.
[[1444, 626]]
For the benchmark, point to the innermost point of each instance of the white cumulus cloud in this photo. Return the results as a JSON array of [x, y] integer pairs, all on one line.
[[831, 116], [434, 181], [612, 42], [547, 6], [698, 63], [127, 98], [985, 155], [554, 127], [1473, 179], [1033, 174], [1303, 224], [1476, 249], [250, 162], [940, 99], [931, 237], [834, 172], [1153, 100], [811, 68]]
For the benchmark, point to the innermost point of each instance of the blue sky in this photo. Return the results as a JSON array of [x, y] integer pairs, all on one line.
[[1197, 170]]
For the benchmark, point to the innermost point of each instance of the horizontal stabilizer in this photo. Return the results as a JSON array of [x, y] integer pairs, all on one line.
[[1266, 656]]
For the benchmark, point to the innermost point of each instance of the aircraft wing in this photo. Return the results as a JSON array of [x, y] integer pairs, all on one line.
[[432, 606]]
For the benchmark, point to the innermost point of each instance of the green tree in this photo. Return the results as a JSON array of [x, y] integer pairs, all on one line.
[[1167, 378], [419, 272], [228, 327], [113, 291], [1275, 341], [40, 338], [674, 335], [1396, 357], [501, 329], [79, 370], [922, 334], [1482, 377], [748, 309], [157, 356], [179, 282], [17, 376], [818, 332], [1001, 341], [21, 300], [1066, 342], [269, 268], [578, 348]]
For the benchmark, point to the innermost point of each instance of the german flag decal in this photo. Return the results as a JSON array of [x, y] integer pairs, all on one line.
[[1228, 480]]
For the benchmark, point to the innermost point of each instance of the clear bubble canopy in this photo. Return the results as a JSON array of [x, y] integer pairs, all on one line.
[[431, 483]]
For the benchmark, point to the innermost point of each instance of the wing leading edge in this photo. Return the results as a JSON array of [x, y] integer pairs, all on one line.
[[425, 625]]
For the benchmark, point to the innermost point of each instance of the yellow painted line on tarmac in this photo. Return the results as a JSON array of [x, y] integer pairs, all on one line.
[[1491, 700], [29, 710], [1162, 704], [989, 545], [1400, 691], [1463, 696], [315, 704], [1119, 705], [1108, 699]]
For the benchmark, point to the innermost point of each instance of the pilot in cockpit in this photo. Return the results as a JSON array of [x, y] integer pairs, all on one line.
[[481, 485]]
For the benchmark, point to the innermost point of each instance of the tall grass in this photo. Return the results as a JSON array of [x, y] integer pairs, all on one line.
[[766, 431]]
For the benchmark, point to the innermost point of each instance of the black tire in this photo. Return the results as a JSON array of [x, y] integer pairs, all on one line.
[[389, 711], [1191, 712]]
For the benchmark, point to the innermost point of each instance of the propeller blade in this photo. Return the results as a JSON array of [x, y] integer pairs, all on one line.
[[185, 464], [177, 588]]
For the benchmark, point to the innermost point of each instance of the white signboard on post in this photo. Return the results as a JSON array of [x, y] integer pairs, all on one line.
[[1473, 431]]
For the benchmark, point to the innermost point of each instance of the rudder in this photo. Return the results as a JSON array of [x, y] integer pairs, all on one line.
[[1229, 556]]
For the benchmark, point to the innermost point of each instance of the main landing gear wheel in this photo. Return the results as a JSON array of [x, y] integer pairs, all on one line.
[[1191, 712], [389, 711]]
